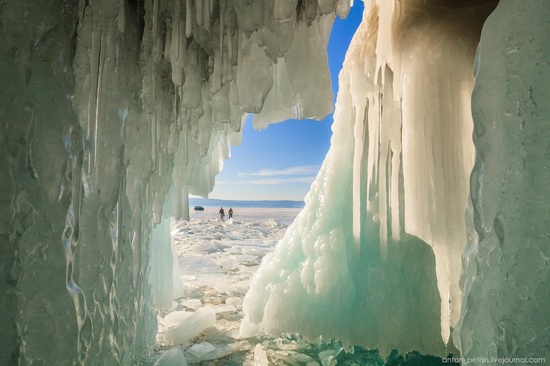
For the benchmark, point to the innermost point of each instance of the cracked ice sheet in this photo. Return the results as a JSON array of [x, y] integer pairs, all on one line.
[[217, 259]]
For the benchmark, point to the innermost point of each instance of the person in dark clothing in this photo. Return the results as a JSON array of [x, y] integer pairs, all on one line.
[[222, 213], [230, 212]]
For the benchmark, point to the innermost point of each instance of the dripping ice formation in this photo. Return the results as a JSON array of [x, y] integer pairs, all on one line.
[[391, 240], [114, 111], [376, 256]]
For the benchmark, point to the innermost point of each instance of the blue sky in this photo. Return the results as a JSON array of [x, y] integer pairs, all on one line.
[[281, 162]]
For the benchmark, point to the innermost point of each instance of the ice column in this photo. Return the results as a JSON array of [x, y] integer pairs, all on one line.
[[392, 190], [507, 276]]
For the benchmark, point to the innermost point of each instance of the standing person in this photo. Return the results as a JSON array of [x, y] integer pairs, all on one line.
[[230, 212], [221, 212]]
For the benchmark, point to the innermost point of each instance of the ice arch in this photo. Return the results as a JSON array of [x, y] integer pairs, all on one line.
[[109, 105]]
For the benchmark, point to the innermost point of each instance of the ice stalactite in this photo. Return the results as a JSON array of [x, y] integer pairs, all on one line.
[[376, 253], [113, 106], [506, 272]]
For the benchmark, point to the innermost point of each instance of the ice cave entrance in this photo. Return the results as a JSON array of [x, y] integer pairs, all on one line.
[[413, 236], [376, 234]]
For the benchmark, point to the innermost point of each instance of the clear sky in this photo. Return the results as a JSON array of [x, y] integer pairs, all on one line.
[[281, 162]]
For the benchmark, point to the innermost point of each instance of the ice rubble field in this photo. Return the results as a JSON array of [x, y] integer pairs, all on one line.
[[223, 254], [217, 260]]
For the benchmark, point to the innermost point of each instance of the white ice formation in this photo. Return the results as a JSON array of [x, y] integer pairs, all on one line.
[[108, 107], [375, 257]]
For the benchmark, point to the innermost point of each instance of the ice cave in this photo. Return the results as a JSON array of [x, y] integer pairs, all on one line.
[[427, 228]]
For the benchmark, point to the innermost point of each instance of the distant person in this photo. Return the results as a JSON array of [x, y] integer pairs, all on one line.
[[230, 212], [221, 212]]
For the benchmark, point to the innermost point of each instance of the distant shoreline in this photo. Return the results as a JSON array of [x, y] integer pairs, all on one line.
[[209, 202]]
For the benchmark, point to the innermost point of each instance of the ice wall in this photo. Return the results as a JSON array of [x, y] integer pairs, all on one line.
[[35, 114], [507, 278], [107, 107], [375, 257]]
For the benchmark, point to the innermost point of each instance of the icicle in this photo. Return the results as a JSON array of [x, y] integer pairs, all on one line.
[[222, 24], [217, 72], [179, 46], [226, 68], [206, 15], [121, 16], [284, 10], [358, 197], [199, 11], [91, 125], [230, 45], [155, 19], [175, 33], [154, 140], [384, 168], [168, 43], [97, 148], [188, 19]]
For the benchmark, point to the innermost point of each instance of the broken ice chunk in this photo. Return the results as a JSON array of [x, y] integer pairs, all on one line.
[[201, 349], [173, 356], [223, 308], [328, 357], [248, 329], [194, 304], [208, 247], [235, 301], [175, 317], [189, 327], [303, 358], [245, 258], [218, 352], [260, 356]]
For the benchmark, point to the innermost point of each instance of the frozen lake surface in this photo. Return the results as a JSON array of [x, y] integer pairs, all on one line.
[[224, 254], [217, 260], [245, 215]]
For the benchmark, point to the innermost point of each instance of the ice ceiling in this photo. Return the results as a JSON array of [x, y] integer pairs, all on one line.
[[413, 236]]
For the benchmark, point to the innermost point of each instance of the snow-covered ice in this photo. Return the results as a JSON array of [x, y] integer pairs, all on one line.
[[217, 259], [215, 283]]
